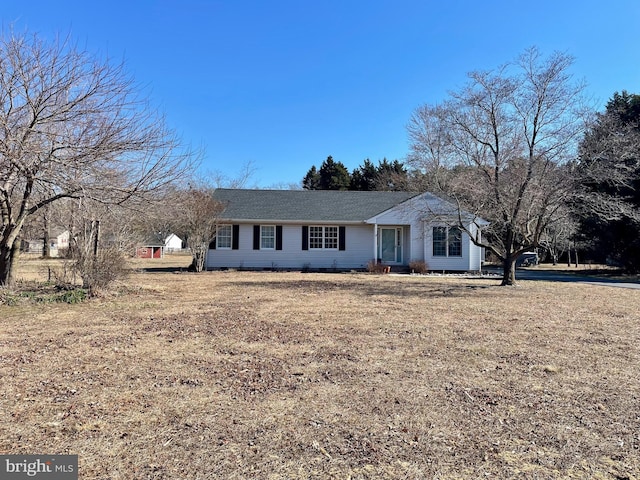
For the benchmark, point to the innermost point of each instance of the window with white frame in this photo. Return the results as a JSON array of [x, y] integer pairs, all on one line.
[[223, 237], [323, 238], [267, 237], [316, 235], [331, 238], [447, 242]]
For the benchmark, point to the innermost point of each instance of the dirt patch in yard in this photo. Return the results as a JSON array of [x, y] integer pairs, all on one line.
[[292, 375]]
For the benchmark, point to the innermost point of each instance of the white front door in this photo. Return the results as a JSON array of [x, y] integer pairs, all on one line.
[[390, 245]]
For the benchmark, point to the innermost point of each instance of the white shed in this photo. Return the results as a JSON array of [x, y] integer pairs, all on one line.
[[173, 243]]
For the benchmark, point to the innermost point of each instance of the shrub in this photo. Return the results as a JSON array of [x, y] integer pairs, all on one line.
[[100, 270], [376, 267], [418, 266], [63, 275]]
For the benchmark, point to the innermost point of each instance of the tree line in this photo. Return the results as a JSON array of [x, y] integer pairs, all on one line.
[[333, 175], [606, 206]]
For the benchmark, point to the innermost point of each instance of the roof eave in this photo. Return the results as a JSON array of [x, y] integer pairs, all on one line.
[[264, 221]]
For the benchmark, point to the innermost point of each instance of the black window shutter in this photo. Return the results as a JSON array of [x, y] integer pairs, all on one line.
[[235, 237], [305, 237], [278, 237], [256, 237], [212, 244], [342, 244]]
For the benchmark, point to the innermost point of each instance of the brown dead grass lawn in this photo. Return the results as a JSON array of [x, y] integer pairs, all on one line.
[[290, 375]]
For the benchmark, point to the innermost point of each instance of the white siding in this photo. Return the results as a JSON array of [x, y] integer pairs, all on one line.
[[416, 238], [401, 215], [173, 243], [358, 252], [475, 262]]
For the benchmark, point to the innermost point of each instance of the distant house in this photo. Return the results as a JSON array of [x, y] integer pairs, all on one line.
[[322, 229], [61, 242], [58, 243], [173, 243]]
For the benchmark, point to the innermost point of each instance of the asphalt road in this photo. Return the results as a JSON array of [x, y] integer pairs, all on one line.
[[551, 276]]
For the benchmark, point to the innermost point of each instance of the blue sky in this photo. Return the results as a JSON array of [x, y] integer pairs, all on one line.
[[282, 84]]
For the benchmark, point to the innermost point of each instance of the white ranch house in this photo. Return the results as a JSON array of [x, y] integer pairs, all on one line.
[[341, 230]]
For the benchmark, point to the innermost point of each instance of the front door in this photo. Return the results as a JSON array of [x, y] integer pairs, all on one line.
[[391, 245]]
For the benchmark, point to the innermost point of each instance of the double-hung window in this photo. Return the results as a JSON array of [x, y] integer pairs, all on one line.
[[267, 237], [223, 237], [447, 242], [323, 238]]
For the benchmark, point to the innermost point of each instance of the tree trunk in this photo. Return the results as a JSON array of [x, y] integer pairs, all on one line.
[[8, 262], [199, 253], [508, 272], [46, 247], [90, 255], [46, 237], [95, 226]]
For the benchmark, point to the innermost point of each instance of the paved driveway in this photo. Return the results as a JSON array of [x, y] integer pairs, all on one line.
[[551, 276]]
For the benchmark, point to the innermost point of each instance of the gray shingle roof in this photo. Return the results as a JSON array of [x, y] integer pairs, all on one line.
[[306, 205]]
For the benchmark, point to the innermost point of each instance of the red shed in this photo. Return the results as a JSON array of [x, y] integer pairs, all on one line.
[[150, 249]]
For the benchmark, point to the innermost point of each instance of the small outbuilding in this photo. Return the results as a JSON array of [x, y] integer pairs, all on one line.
[[152, 248], [173, 243]]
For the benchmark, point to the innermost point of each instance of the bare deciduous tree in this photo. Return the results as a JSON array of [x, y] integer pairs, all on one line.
[[558, 238], [220, 180], [498, 147], [72, 126], [195, 221]]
